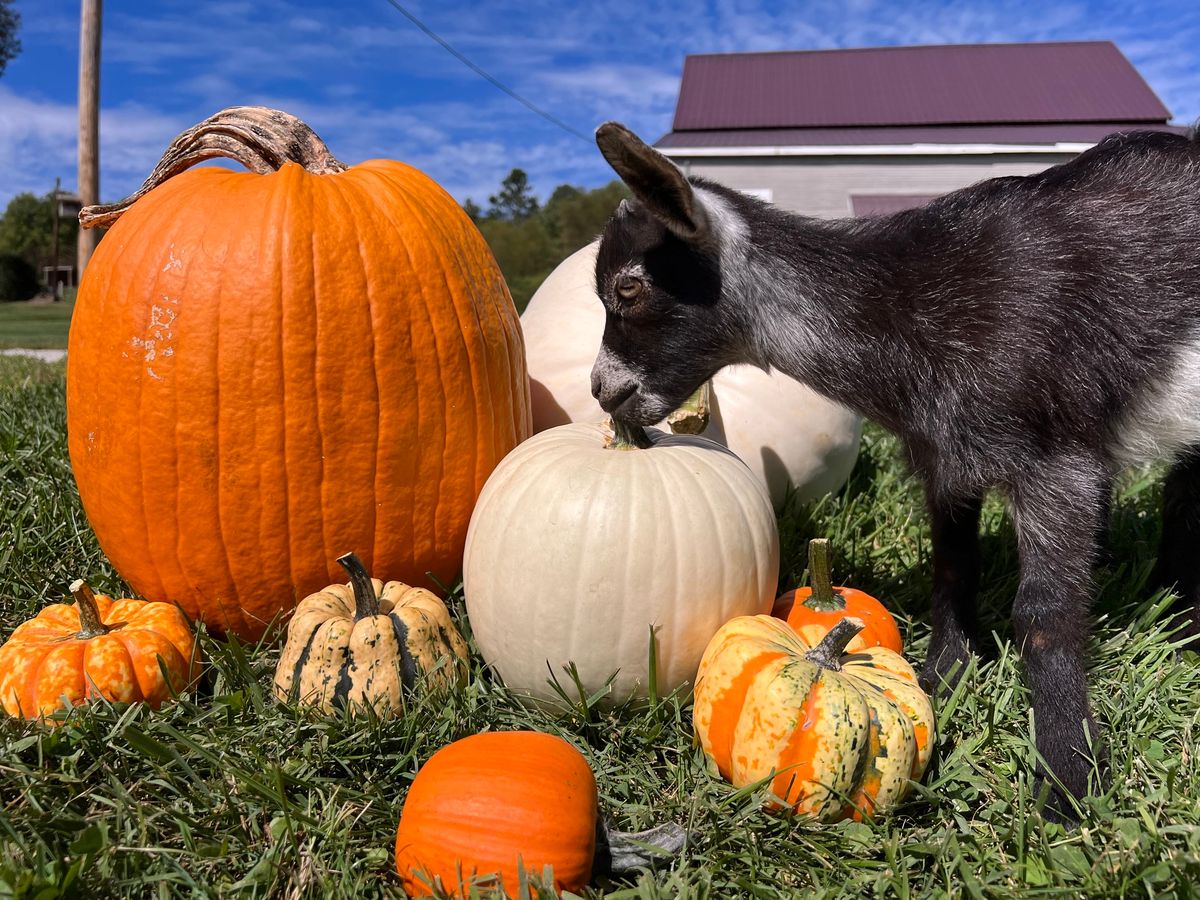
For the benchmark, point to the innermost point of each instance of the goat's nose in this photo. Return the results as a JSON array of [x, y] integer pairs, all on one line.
[[597, 384], [614, 395]]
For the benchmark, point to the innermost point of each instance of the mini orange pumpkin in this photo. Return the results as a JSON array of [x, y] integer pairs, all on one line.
[[813, 610], [127, 650], [481, 804]]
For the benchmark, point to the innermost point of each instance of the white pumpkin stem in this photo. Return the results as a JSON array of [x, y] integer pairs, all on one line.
[[259, 138], [90, 625], [828, 653], [820, 578], [620, 852], [366, 604], [629, 437], [692, 417]]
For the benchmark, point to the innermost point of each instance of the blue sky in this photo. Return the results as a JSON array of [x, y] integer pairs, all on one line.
[[372, 85]]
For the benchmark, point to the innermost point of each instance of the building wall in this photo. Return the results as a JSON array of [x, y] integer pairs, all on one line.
[[821, 186]]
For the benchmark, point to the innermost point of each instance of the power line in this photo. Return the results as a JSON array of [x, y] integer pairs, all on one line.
[[480, 72]]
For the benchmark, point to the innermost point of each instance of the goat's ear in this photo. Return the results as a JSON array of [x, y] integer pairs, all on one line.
[[655, 181]]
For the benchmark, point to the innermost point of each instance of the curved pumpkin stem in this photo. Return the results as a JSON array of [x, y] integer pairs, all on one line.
[[366, 604], [259, 138], [90, 625], [820, 578], [692, 417], [828, 653], [629, 437]]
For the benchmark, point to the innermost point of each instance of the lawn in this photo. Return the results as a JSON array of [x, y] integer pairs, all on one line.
[[35, 325], [228, 792]]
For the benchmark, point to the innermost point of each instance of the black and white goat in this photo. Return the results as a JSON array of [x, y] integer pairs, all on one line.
[[1031, 334]]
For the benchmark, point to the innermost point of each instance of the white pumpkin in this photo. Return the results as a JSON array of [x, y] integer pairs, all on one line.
[[785, 432], [577, 548]]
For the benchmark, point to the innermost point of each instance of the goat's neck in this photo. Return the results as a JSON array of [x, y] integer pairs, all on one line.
[[823, 305]]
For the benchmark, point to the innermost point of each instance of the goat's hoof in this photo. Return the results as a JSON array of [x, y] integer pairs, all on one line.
[[1060, 808]]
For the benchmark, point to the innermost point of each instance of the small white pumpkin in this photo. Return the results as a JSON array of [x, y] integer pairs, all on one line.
[[577, 547], [785, 432]]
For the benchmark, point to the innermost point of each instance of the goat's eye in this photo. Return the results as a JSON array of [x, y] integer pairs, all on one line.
[[629, 287]]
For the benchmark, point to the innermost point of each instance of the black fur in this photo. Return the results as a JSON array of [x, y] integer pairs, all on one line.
[[1006, 332]]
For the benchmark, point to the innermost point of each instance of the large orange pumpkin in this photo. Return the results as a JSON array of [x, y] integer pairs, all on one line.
[[267, 367], [484, 807]]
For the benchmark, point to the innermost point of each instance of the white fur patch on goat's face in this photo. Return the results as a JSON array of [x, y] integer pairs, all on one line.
[[748, 284], [1166, 419]]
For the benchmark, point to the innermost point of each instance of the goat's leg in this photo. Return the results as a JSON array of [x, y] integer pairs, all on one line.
[[1179, 554], [1058, 508], [956, 565]]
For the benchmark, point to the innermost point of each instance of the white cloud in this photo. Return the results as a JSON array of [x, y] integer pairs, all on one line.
[[600, 88], [38, 141]]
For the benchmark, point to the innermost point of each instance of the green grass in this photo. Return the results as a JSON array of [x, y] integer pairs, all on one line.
[[228, 793], [36, 325]]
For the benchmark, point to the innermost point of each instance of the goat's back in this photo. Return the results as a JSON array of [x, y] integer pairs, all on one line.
[[1051, 310]]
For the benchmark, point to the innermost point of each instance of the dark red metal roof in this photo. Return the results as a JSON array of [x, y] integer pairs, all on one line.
[[1087, 133], [974, 84]]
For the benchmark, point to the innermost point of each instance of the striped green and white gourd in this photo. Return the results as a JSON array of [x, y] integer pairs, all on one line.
[[366, 643], [580, 544]]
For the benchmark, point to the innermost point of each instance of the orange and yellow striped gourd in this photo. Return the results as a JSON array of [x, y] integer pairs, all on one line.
[[834, 734], [123, 650]]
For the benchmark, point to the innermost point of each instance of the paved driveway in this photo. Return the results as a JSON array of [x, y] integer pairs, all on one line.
[[44, 355]]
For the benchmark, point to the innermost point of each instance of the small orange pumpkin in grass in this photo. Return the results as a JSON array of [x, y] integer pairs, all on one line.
[[127, 650], [814, 610], [490, 806], [484, 804], [833, 733]]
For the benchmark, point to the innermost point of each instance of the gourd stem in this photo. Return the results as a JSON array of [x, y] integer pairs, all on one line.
[[621, 852], [828, 653], [90, 625], [259, 138], [627, 436], [692, 417], [366, 604], [820, 577]]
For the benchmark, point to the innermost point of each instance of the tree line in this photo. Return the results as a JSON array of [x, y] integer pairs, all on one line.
[[529, 239], [27, 243]]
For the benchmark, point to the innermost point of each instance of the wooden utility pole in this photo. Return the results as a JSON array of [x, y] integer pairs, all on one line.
[[89, 121], [54, 271]]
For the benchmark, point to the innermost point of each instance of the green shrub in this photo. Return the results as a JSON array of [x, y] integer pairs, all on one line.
[[18, 280]]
